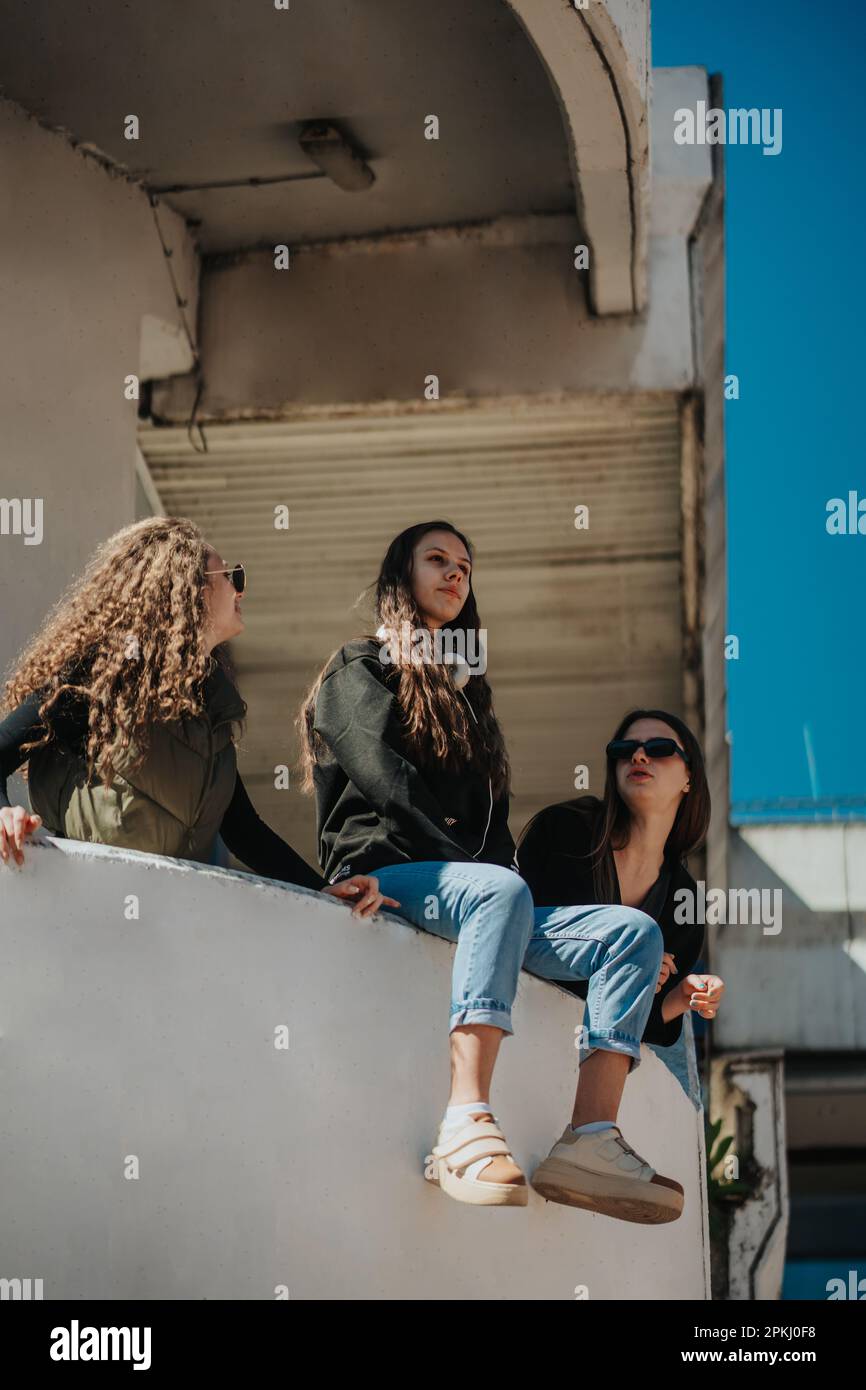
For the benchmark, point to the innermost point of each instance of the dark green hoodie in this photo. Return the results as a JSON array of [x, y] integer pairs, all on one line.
[[374, 805], [173, 803], [186, 790]]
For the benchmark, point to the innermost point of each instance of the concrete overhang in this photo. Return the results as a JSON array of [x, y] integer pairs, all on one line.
[[542, 108]]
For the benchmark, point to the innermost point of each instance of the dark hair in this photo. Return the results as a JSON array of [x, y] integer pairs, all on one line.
[[612, 827], [437, 724], [611, 817]]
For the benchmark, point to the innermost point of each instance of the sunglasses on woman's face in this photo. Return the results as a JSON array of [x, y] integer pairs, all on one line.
[[653, 747], [238, 576]]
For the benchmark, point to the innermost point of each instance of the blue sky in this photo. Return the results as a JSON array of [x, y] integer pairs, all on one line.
[[795, 322]]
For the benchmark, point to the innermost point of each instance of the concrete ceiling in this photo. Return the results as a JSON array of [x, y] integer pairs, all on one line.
[[222, 88]]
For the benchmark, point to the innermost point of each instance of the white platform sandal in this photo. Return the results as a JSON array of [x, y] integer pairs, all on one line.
[[479, 1139]]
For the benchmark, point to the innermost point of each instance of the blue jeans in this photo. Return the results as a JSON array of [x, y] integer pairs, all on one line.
[[490, 914]]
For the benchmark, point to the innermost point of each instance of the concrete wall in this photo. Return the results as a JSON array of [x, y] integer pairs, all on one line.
[[85, 299], [301, 1167], [596, 62], [708, 537], [496, 310], [804, 987], [371, 323], [632, 20], [748, 1097]]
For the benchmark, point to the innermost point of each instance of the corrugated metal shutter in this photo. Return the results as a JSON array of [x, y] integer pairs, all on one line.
[[582, 624]]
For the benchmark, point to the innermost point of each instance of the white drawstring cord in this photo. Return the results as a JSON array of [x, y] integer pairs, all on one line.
[[489, 785]]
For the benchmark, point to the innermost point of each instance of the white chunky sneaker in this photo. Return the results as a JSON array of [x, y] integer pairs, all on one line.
[[601, 1172], [465, 1152]]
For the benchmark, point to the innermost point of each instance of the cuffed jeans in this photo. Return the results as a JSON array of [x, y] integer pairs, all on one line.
[[489, 912]]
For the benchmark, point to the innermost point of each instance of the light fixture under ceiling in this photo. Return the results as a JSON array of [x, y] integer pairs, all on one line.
[[329, 149]]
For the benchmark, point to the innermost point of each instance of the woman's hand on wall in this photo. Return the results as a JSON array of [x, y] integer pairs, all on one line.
[[15, 825], [364, 888]]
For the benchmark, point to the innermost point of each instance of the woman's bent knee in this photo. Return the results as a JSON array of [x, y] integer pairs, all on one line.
[[646, 931], [507, 888]]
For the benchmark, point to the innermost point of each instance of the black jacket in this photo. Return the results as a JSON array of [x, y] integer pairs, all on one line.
[[553, 857], [374, 806]]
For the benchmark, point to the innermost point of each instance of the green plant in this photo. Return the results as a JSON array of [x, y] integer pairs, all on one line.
[[723, 1193]]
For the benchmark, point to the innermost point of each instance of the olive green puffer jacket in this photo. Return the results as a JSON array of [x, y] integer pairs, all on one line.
[[173, 803]]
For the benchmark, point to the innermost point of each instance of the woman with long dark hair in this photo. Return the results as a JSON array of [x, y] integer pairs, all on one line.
[[630, 847], [124, 708], [402, 747]]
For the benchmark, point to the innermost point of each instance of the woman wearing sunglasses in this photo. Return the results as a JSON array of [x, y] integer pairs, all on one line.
[[411, 777], [125, 711], [629, 848]]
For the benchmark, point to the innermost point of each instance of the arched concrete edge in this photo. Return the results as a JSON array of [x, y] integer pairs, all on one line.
[[603, 99]]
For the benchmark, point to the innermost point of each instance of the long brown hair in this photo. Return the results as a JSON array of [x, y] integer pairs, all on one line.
[[128, 636], [437, 725]]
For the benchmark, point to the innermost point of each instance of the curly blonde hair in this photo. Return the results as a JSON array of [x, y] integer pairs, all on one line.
[[129, 636]]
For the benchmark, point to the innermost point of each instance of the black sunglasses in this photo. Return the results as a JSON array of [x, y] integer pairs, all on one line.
[[654, 748], [238, 576]]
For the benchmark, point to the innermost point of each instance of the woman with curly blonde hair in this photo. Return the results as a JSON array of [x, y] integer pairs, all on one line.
[[124, 708]]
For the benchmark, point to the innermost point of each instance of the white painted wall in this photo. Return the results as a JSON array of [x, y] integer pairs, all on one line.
[[261, 1167], [748, 1091], [804, 987], [632, 20], [85, 298]]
